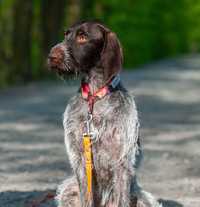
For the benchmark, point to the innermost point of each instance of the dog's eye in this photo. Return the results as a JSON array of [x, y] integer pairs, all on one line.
[[81, 38]]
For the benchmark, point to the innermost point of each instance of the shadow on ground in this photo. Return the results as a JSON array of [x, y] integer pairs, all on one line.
[[28, 199], [170, 203]]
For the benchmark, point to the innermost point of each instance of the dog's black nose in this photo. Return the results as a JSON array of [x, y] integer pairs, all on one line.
[[56, 57], [54, 61]]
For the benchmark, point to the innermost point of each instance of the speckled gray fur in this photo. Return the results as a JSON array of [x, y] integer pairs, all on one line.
[[116, 153]]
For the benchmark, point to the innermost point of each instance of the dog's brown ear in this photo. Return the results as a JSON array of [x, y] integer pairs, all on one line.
[[111, 56]]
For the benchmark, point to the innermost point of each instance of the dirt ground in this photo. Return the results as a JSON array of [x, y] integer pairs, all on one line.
[[32, 153]]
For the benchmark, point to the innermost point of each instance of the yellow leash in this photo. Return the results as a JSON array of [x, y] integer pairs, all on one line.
[[88, 163], [108, 87], [87, 147]]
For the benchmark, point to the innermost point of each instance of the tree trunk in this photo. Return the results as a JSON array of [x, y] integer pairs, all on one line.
[[22, 38], [52, 19]]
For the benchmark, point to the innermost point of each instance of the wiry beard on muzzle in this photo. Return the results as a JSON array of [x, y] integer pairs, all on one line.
[[69, 66]]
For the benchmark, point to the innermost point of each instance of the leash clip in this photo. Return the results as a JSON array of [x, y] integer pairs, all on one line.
[[87, 123]]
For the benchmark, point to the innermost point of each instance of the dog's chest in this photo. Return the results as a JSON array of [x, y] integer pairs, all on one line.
[[108, 124], [103, 127]]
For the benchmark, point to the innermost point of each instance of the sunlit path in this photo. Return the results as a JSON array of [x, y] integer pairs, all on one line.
[[32, 153]]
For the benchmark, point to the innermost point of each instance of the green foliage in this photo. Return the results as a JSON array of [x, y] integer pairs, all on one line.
[[148, 30]]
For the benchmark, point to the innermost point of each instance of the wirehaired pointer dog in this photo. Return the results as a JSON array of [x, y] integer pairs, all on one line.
[[100, 122]]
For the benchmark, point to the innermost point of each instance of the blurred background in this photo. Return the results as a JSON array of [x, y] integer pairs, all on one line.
[[149, 30], [161, 42]]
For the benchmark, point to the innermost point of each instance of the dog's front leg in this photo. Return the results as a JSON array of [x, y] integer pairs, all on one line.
[[120, 195], [77, 163], [82, 182]]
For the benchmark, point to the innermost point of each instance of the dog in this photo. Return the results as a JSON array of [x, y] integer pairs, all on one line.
[[104, 112]]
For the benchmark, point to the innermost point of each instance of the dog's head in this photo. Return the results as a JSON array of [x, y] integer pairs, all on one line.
[[87, 45]]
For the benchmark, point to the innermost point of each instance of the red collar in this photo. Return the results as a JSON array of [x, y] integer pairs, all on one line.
[[91, 98], [100, 93], [86, 93]]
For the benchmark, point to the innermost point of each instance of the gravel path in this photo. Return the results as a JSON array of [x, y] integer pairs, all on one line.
[[32, 154]]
